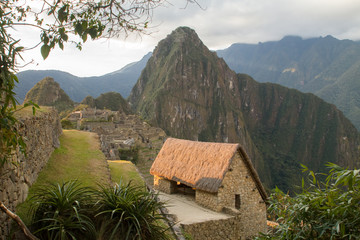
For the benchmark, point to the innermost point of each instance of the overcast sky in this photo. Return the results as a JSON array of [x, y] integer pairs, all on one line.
[[219, 23]]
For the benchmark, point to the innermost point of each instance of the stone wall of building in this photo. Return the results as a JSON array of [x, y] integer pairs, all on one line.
[[164, 185], [208, 200], [229, 228], [238, 181], [41, 134], [251, 207]]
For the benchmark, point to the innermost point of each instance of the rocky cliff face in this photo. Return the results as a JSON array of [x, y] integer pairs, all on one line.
[[191, 93], [47, 92], [325, 66]]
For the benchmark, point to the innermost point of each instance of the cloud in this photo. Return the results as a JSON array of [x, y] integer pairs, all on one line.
[[218, 24]]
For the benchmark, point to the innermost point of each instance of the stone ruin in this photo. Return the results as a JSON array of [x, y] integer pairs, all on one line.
[[117, 130]]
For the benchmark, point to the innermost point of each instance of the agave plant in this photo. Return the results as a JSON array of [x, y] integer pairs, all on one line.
[[61, 211], [129, 212]]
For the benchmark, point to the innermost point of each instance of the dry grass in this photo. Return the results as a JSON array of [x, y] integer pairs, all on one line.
[[196, 164]]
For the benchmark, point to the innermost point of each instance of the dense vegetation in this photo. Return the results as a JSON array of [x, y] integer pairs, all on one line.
[[71, 211], [327, 208]]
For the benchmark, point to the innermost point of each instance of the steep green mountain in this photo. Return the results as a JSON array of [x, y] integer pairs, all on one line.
[[111, 100], [191, 93], [47, 92], [78, 88], [325, 66]]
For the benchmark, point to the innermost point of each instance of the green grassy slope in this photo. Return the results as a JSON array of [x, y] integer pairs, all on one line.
[[79, 157]]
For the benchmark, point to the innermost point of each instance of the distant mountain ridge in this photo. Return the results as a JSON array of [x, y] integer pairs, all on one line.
[[191, 93], [325, 66], [78, 88]]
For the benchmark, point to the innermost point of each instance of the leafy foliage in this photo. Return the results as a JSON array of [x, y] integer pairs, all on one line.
[[61, 211], [70, 211], [130, 213], [10, 139], [326, 209], [106, 18]]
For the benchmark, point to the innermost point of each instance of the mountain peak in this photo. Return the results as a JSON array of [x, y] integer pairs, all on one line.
[[182, 38], [192, 94], [47, 92], [183, 32]]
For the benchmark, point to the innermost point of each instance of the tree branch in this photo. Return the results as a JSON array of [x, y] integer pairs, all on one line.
[[18, 220]]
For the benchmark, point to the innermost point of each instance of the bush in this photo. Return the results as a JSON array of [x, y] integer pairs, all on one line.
[[324, 210], [69, 211], [129, 212], [61, 211], [131, 154], [67, 124]]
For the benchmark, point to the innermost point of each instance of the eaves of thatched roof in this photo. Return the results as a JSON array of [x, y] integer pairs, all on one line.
[[201, 165]]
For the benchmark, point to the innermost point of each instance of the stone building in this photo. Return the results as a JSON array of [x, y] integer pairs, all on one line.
[[219, 176]]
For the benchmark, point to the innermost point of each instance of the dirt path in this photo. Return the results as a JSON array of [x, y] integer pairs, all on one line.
[[187, 211]]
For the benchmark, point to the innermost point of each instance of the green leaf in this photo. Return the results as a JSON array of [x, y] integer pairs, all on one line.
[[78, 28], [93, 33], [62, 14], [302, 183], [84, 37], [61, 45], [45, 50], [313, 175]]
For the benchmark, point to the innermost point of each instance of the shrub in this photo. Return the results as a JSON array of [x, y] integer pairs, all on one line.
[[324, 210], [128, 212], [131, 154], [61, 211], [69, 211], [67, 124]]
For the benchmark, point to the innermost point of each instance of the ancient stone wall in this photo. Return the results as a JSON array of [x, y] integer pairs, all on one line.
[[41, 134], [208, 200], [252, 208], [239, 184], [164, 185], [229, 228]]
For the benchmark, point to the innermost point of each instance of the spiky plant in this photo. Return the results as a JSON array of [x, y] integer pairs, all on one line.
[[130, 212], [61, 211]]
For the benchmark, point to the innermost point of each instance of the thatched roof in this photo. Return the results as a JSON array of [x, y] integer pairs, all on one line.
[[201, 165]]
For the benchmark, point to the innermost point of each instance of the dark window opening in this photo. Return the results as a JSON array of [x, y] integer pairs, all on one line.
[[185, 190], [237, 201]]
